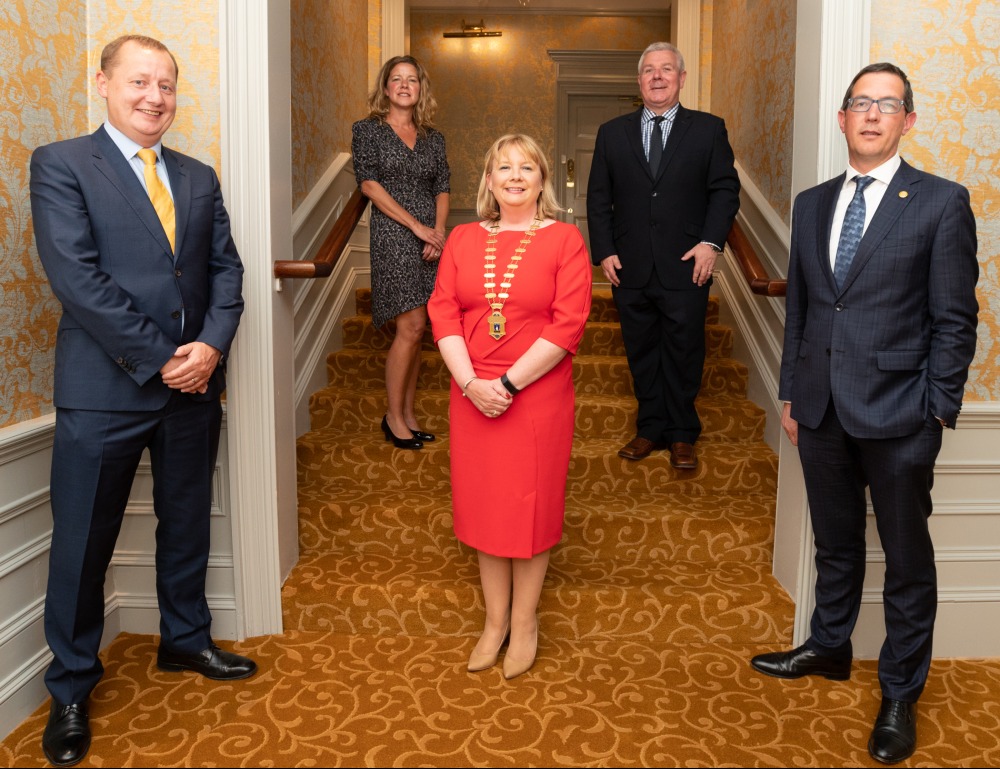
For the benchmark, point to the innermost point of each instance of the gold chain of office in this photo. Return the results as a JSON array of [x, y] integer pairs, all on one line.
[[495, 321]]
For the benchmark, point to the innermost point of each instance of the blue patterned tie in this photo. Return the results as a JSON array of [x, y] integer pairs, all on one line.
[[850, 233]]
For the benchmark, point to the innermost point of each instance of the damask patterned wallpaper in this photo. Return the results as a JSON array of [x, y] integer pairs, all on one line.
[[948, 49], [329, 84], [49, 52], [487, 87], [752, 87]]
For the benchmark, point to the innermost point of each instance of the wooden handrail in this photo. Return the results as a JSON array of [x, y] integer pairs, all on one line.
[[332, 248], [757, 278]]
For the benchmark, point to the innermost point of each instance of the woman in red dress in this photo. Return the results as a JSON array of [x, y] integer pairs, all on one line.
[[508, 312]]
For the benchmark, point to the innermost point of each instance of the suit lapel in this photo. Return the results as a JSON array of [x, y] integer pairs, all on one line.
[[180, 186], [827, 205], [112, 164], [897, 197], [633, 132]]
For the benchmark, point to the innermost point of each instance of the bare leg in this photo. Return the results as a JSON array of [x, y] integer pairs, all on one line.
[[528, 576], [410, 395], [401, 366], [495, 574]]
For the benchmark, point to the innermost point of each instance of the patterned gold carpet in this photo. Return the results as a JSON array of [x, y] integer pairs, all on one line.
[[658, 596]]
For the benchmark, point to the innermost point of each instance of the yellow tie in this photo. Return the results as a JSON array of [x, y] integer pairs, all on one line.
[[158, 194]]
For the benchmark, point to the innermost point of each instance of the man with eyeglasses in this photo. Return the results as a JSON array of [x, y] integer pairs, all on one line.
[[880, 330]]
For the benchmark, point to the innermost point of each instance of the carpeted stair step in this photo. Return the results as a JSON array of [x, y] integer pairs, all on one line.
[[370, 463], [599, 338], [593, 374], [423, 594], [604, 416], [624, 528], [602, 307]]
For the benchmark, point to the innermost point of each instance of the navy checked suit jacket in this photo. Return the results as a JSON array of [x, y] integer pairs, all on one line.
[[893, 346], [123, 293]]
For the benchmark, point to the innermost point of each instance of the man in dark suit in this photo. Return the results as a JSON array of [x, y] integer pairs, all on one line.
[[661, 199], [880, 330], [136, 243]]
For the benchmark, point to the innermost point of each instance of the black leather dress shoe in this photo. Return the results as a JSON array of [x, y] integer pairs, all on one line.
[[420, 435], [67, 734], [212, 663], [894, 736], [802, 662]]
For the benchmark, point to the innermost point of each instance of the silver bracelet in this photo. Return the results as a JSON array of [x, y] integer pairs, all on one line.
[[473, 379]]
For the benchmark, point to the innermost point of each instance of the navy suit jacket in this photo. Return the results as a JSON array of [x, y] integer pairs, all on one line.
[[892, 347], [128, 302], [652, 222]]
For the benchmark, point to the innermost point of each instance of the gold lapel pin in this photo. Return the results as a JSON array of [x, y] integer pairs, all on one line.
[[903, 194]]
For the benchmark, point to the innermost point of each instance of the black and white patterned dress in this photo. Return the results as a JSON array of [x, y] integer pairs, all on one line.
[[401, 279]]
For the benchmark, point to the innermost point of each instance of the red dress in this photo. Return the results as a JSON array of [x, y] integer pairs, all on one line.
[[508, 474]]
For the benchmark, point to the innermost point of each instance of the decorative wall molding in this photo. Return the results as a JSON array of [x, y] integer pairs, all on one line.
[[321, 305]]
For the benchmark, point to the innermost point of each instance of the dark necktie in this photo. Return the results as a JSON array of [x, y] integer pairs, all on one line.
[[656, 145], [850, 233]]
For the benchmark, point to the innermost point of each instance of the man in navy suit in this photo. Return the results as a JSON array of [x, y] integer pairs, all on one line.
[[661, 199], [150, 308], [880, 330]]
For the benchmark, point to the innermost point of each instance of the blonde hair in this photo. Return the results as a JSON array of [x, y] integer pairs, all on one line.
[[109, 56], [378, 101], [486, 204]]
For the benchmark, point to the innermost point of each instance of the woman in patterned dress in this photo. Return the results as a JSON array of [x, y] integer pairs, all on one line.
[[400, 165], [508, 313]]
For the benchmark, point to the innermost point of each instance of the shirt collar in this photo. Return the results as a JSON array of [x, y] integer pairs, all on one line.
[[128, 147], [882, 173], [670, 114]]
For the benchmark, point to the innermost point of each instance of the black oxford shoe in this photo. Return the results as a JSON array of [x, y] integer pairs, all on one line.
[[67, 734], [894, 736], [802, 662], [212, 663]]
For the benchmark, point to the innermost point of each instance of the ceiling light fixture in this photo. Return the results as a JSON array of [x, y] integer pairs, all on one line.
[[474, 30]]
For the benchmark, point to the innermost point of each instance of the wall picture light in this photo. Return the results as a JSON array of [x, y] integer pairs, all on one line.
[[474, 30]]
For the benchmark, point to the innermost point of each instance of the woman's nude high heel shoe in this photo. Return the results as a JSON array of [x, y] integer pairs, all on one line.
[[480, 661], [512, 667]]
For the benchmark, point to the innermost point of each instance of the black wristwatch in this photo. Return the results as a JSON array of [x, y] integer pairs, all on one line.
[[506, 383]]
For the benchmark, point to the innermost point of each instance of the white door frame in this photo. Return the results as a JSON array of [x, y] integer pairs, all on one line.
[[256, 177]]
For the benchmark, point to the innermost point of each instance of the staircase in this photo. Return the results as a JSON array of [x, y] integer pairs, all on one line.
[[660, 572]]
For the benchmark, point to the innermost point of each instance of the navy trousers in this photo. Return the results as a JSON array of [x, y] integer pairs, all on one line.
[[94, 461], [899, 473]]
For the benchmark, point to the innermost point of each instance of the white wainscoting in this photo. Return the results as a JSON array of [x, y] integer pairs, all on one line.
[[966, 521], [130, 591], [321, 305]]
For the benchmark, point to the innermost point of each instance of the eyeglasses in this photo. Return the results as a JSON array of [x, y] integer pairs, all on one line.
[[885, 106]]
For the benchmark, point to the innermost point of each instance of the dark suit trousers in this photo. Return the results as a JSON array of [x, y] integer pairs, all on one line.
[[899, 473], [664, 335], [95, 457]]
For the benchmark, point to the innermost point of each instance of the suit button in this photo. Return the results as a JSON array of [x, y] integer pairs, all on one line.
[[827, 352], [838, 307], [655, 194], [175, 314], [177, 273]]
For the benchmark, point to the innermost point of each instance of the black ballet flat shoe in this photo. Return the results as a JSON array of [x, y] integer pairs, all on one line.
[[420, 435], [400, 443]]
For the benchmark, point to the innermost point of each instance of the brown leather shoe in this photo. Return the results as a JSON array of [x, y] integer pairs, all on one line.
[[639, 448], [682, 456]]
